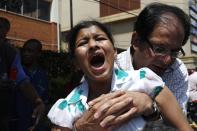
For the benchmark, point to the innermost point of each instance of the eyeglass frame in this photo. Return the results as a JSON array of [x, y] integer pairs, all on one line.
[[168, 52]]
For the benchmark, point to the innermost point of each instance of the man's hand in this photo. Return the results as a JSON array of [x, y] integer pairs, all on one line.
[[118, 107], [38, 111]]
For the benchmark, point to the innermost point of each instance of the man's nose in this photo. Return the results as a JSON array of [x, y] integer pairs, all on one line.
[[167, 59]]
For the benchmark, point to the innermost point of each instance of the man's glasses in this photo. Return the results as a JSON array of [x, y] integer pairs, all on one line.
[[163, 51]]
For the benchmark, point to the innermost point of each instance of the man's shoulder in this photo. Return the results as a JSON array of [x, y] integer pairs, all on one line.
[[177, 71], [124, 60], [178, 65], [7, 54]]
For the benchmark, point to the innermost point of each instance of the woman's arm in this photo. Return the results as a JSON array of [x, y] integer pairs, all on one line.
[[171, 110]]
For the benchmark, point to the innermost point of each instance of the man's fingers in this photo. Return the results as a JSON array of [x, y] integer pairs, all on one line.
[[107, 121], [126, 116], [120, 106], [38, 111], [118, 113], [106, 97], [89, 115], [102, 108], [110, 118], [113, 121], [35, 113], [112, 106], [37, 120]]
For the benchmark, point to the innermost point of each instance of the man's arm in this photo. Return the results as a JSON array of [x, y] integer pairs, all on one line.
[[113, 109], [171, 110], [30, 93], [23, 83], [176, 80]]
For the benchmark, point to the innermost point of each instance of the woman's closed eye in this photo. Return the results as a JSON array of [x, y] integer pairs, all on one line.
[[101, 38], [82, 42]]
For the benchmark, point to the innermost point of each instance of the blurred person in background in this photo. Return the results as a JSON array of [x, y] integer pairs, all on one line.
[[192, 104], [30, 54], [13, 79]]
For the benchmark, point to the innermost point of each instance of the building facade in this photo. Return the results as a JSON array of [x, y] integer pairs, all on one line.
[[118, 15], [30, 20]]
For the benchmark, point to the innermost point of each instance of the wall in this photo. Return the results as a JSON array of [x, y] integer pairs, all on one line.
[[122, 32], [82, 9], [119, 5]]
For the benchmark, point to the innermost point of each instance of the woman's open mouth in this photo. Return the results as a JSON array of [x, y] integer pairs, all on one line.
[[97, 60]]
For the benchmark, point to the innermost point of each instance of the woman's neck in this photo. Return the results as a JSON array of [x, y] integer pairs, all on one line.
[[98, 88]]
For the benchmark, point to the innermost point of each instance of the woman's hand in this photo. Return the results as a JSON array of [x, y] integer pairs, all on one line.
[[88, 123]]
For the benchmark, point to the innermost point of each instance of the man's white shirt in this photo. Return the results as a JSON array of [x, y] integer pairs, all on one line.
[[175, 77]]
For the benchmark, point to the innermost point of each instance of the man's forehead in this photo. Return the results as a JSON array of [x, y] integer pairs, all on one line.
[[31, 45], [169, 18]]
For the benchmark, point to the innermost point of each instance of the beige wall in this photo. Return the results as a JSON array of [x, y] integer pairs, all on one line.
[[121, 26], [82, 9], [122, 33]]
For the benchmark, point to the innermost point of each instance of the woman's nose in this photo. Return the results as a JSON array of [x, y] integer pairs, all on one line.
[[92, 43]]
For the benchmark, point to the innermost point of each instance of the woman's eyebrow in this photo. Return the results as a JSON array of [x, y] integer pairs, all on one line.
[[82, 38]]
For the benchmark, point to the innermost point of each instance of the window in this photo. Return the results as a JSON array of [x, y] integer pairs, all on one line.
[[193, 18], [110, 7], [39, 9]]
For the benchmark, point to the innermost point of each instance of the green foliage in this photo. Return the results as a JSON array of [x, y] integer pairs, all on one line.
[[58, 66]]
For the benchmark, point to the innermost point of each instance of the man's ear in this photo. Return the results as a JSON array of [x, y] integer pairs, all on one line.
[[135, 41]]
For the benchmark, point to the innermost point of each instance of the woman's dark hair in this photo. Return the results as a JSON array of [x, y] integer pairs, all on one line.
[[152, 14], [72, 34]]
